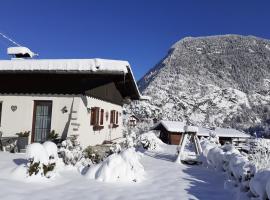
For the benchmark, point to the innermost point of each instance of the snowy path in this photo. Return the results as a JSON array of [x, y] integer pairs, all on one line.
[[164, 180]]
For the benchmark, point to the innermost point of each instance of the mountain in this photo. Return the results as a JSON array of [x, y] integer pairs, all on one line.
[[211, 81]]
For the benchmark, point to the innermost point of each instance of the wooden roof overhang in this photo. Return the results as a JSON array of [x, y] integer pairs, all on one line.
[[65, 82]]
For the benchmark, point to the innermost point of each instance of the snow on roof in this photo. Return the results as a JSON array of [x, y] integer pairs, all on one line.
[[20, 50], [203, 131], [171, 126], [66, 65], [222, 132], [191, 129], [86, 66], [180, 127], [229, 132]]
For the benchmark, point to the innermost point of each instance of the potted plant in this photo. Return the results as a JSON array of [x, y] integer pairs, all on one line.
[[53, 136], [22, 141]]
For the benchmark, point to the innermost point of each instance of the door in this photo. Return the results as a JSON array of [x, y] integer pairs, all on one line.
[[41, 120]]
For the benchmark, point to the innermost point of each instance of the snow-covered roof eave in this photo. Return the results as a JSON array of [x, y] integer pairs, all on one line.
[[221, 132], [171, 126], [138, 94], [97, 66], [74, 66]]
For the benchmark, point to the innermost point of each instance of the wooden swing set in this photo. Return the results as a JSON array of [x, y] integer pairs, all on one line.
[[191, 133]]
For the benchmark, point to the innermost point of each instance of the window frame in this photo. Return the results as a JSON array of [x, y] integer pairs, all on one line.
[[97, 118], [114, 118]]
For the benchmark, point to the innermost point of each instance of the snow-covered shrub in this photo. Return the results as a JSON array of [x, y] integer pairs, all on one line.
[[41, 159], [100, 152], [72, 154], [116, 148], [213, 137], [92, 154], [71, 151], [130, 139], [215, 158], [122, 167], [259, 153], [150, 141], [228, 159]]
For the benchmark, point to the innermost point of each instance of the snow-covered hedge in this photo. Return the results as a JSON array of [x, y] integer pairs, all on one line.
[[122, 167], [150, 141], [241, 171], [259, 153]]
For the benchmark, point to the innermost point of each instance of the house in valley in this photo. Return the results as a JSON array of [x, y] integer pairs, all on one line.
[[132, 120], [172, 131], [225, 135], [81, 97]]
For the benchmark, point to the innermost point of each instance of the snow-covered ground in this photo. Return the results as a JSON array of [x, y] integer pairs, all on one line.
[[164, 179]]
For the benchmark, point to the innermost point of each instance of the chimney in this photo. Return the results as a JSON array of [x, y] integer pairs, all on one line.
[[20, 52]]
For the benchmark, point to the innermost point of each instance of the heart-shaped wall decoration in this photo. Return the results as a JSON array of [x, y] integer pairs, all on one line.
[[13, 108]]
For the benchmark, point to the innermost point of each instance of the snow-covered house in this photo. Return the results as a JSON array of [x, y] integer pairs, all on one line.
[[133, 120], [171, 132], [70, 96], [225, 134]]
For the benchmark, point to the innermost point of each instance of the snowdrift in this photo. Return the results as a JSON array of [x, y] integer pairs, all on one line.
[[122, 167]]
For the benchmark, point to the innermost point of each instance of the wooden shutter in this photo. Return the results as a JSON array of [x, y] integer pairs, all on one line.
[[116, 121], [94, 116], [0, 112], [92, 121], [101, 116], [97, 116], [111, 117]]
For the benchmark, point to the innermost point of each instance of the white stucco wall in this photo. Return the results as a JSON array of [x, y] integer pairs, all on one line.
[[20, 120], [87, 135]]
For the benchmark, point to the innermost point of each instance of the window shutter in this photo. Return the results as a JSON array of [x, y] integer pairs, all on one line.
[[95, 116], [101, 116], [111, 117], [116, 118], [92, 121]]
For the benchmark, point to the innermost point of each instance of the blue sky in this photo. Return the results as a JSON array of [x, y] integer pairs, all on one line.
[[140, 31]]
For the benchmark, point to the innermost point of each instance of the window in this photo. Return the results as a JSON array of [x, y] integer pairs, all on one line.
[[1, 113], [97, 117], [114, 118]]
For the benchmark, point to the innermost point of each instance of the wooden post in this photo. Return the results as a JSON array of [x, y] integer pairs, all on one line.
[[181, 146]]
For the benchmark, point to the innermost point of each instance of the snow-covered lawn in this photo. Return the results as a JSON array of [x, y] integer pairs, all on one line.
[[164, 179]]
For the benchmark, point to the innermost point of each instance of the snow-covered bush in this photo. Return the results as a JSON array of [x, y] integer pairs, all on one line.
[[130, 139], [122, 167], [228, 159], [116, 148], [150, 141], [70, 151], [72, 154], [41, 159], [259, 153], [96, 156]]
